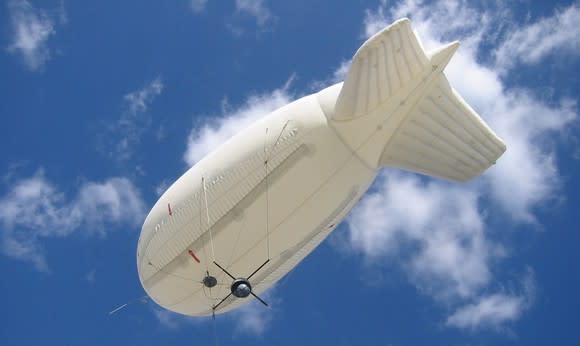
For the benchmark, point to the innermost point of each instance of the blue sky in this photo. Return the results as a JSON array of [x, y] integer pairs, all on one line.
[[104, 104]]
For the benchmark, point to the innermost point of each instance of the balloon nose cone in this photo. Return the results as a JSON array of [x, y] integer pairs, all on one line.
[[241, 288]]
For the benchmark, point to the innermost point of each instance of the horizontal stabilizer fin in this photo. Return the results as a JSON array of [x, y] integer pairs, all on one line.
[[382, 66], [443, 137]]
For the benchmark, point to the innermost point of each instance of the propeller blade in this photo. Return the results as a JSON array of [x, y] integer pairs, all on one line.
[[260, 267], [225, 271], [260, 299], [230, 275], [223, 300]]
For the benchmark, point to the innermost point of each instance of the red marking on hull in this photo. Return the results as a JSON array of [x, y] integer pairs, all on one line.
[[194, 256], [169, 208]]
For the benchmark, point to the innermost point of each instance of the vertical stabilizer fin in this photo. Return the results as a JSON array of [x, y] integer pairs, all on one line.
[[383, 65], [430, 129]]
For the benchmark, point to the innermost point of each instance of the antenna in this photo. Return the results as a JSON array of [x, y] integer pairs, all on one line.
[[142, 299]]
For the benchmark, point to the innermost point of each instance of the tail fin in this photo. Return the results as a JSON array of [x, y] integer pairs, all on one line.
[[443, 137], [382, 66], [437, 134]]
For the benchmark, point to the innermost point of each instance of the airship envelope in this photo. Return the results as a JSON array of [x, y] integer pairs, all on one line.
[[247, 213]]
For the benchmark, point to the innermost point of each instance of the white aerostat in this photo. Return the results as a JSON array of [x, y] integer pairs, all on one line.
[[251, 210]]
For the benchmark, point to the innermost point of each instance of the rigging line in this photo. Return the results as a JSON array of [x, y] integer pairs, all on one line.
[[277, 139], [351, 156], [201, 230], [227, 191], [207, 214], [215, 334], [266, 156], [205, 233], [237, 242], [221, 286]]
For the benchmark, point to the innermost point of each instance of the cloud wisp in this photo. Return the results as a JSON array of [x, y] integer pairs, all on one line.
[[254, 318], [126, 133], [34, 209], [171, 320], [198, 6], [251, 319], [216, 129], [255, 10], [529, 44], [139, 101], [495, 310], [440, 219], [444, 228], [31, 30]]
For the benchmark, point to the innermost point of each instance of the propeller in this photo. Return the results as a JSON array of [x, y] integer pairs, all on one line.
[[241, 287]]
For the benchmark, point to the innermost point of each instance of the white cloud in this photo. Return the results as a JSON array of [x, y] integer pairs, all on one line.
[[34, 209], [172, 320], [557, 34], [256, 9], [338, 75], [487, 311], [254, 318], [31, 30], [494, 310], [251, 319], [116, 200], [169, 319], [127, 132], [375, 20], [162, 187], [217, 129], [443, 228], [527, 176], [91, 277], [198, 5], [441, 220], [139, 101]]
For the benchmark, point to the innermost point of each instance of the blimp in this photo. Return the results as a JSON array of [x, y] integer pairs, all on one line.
[[247, 213]]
